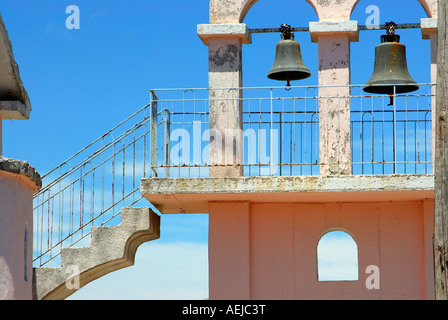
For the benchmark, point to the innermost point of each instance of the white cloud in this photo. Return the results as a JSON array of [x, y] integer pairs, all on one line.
[[162, 271], [179, 271], [337, 257]]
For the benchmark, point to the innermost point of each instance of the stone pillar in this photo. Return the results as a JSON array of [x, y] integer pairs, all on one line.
[[18, 182], [224, 43], [429, 31], [334, 93]]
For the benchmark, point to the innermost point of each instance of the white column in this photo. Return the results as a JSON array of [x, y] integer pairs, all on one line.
[[334, 102], [224, 43]]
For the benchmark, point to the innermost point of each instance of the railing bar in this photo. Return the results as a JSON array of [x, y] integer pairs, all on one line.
[[275, 87], [94, 155], [95, 141], [97, 166], [88, 222], [360, 28]]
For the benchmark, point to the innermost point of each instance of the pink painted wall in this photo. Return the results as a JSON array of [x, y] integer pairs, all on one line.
[[229, 238], [269, 251], [16, 215]]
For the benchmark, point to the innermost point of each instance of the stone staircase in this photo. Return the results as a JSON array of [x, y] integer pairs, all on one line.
[[111, 249]]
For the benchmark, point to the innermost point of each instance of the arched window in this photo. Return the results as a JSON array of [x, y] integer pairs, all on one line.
[[337, 257]]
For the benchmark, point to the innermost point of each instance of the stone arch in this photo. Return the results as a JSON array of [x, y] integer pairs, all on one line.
[[333, 10], [248, 4], [330, 10], [221, 11], [430, 7]]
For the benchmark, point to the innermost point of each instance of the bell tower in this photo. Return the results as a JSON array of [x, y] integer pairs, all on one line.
[[264, 230]]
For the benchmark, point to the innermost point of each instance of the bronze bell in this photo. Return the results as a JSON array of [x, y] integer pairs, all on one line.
[[288, 65], [390, 74]]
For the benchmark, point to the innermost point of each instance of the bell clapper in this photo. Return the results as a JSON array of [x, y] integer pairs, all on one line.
[[391, 97], [288, 85]]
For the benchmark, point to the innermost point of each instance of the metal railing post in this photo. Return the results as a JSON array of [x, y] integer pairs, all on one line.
[[395, 129], [153, 132], [167, 131]]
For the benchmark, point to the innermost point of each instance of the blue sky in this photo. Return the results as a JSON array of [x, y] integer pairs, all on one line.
[[83, 82]]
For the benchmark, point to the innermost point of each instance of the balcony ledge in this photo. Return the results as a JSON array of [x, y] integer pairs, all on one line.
[[192, 195]]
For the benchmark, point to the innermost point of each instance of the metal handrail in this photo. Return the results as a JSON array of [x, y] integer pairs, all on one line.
[[87, 188]]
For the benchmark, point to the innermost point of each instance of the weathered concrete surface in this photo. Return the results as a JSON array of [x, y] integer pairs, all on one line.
[[330, 27], [235, 11], [111, 249], [226, 11], [428, 26], [229, 11], [226, 119], [178, 195], [334, 103], [22, 168], [333, 10], [240, 30], [14, 100]]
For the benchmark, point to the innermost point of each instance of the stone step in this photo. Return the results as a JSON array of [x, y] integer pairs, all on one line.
[[111, 249]]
